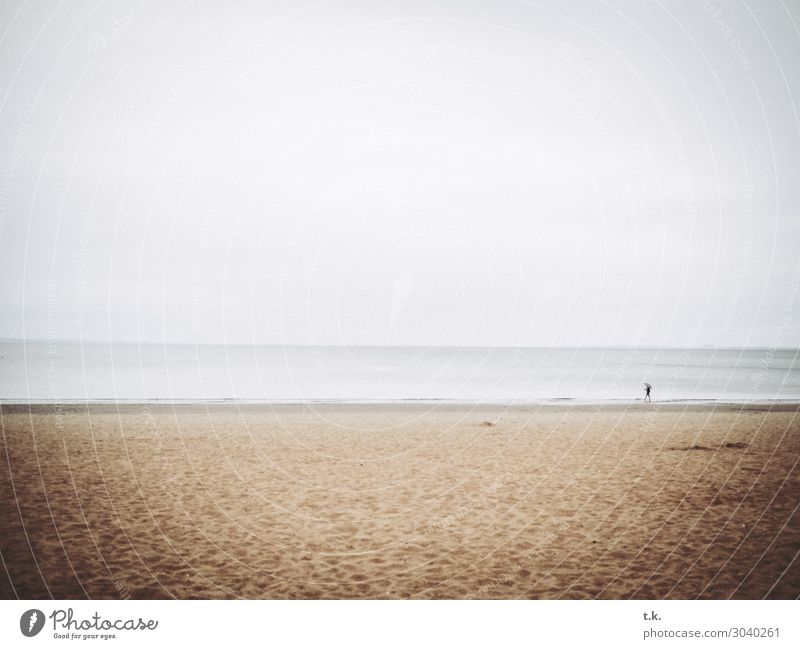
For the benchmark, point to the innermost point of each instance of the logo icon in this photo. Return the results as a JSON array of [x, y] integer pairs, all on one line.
[[31, 622]]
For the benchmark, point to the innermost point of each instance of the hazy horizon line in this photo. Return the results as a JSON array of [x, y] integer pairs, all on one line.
[[4, 340]]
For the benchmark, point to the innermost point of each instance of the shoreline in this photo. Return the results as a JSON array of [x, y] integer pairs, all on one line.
[[567, 405]]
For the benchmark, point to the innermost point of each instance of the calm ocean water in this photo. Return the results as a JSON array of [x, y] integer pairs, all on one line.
[[67, 371]]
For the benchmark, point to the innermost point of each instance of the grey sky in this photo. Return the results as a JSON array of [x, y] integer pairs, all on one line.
[[453, 173]]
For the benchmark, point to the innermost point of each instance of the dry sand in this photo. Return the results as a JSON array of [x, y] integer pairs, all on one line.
[[338, 501]]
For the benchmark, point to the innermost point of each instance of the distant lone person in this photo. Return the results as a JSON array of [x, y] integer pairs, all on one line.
[[647, 389]]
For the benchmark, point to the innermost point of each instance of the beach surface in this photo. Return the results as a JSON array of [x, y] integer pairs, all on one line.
[[400, 501]]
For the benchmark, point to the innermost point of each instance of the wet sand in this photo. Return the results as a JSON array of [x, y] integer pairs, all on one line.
[[400, 501]]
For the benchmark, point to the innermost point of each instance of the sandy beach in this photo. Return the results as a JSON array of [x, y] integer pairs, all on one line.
[[400, 501]]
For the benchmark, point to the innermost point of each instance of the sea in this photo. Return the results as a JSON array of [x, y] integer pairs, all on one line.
[[68, 371]]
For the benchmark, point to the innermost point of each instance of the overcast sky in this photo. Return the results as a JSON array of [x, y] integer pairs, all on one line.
[[429, 173]]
